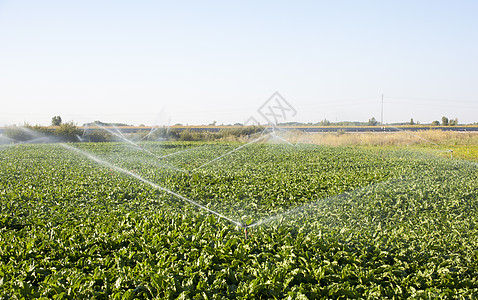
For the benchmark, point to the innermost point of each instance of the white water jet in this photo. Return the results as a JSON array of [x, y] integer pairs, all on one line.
[[153, 130], [138, 147], [6, 140], [283, 140], [119, 132], [179, 152], [121, 137], [40, 140], [415, 135], [304, 207], [154, 185], [232, 151], [85, 129]]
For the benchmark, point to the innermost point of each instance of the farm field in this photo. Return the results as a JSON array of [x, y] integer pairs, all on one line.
[[104, 221]]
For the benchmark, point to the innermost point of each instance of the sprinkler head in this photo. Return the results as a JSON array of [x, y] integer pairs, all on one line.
[[245, 230]]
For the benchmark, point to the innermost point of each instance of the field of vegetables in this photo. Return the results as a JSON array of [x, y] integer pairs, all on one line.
[[325, 222]]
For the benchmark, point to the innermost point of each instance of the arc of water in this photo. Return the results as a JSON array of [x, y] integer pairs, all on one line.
[[85, 129], [34, 135], [232, 151], [316, 203], [140, 148], [119, 132], [448, 151], [44, 139], [153, 129], [154, 185], [284, 140], [121, 137], [3, 137], [179, 152], [415, 135], [288, 212]]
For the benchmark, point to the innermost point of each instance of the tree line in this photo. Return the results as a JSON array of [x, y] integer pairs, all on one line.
[[372, 122], [70, 132]]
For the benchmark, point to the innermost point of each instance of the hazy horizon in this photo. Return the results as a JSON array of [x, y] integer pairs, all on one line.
[[162, 63]]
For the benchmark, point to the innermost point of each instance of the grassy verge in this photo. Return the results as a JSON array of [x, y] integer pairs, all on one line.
[[463, 144]]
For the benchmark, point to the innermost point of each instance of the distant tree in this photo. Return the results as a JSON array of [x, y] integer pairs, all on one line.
[[412, 122], [372, 122], [444, 121], [325, 122], [187, 135], [56, 121], [99, 123], [435, 123], [453, 122]]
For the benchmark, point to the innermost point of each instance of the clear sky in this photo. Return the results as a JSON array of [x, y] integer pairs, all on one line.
[[195, 62]]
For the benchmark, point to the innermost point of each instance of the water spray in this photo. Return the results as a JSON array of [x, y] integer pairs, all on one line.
[[153, 129], [121, 136], [179, 152], [415, 135], [154, 185], [119, 131], [230, 152], [283, 140]]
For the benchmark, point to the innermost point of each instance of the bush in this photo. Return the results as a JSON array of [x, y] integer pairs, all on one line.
[[97, 136], [17, 134], [188, 135], [240, 132], [27, 133], [68, 132]]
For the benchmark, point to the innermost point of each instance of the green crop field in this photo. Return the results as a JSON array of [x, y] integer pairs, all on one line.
[[163, 221]]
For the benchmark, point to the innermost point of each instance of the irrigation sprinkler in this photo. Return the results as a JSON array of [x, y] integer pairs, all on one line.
[[152, 184], [415, 135], [234, 150], [447, 151], [245, 230]]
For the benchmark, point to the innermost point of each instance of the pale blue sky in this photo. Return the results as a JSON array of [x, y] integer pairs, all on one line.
[[158, 62]]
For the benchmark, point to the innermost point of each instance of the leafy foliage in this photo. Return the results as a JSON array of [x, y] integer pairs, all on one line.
[[56, 121], [338, 223]]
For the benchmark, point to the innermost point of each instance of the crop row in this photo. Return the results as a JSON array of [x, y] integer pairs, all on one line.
[[334, 222]]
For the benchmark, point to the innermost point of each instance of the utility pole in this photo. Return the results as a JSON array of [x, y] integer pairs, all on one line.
[[381, 118]]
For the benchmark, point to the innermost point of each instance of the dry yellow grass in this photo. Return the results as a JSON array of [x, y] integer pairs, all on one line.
[[401, 138]]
